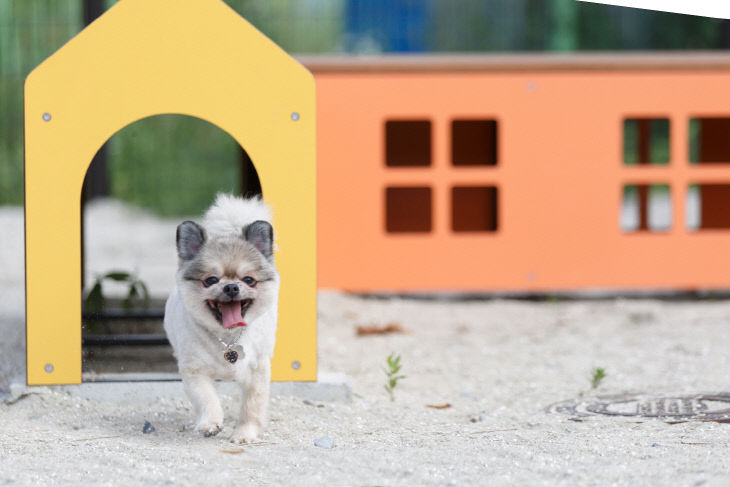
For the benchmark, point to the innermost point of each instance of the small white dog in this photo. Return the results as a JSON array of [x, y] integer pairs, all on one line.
[[221, 316]]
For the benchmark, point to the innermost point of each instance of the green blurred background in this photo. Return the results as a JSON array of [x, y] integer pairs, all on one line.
[[152, 162]]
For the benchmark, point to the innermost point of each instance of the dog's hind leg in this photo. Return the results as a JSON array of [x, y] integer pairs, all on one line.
[[254, 405], [201, 392]]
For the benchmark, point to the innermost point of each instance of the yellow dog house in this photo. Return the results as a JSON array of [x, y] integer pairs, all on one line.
[[151, 57]]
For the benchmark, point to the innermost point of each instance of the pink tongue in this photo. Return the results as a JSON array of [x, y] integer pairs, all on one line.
[[232, 314]]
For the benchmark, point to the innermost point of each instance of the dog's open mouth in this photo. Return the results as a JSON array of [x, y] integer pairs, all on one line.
[[229, 313]]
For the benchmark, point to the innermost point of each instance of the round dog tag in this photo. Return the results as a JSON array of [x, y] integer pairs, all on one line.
[[231, 356], [234, 353]]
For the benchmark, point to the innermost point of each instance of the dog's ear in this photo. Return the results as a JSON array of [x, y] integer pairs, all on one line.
[[190, 239], [261, 235]]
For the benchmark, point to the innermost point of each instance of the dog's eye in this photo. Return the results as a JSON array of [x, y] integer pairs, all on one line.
[[209, 281], [249, 281]]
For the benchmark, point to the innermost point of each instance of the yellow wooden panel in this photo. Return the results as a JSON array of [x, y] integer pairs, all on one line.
[[150, 57]]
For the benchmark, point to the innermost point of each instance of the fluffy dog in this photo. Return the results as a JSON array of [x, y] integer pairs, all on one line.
[[221, 315]]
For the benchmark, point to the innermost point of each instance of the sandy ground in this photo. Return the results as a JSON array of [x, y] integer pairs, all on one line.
[[498, 364]]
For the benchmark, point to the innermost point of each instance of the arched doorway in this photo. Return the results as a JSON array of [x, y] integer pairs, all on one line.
[[158, 171]]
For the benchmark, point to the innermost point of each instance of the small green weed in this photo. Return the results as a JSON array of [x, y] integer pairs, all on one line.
[[137, 293], [597, 375], [391, 372]]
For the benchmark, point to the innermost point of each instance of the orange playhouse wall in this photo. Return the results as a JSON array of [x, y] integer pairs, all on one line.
[[559, 173]]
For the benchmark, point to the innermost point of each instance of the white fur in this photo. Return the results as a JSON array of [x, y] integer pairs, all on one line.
[[200, 354], [229, 214]]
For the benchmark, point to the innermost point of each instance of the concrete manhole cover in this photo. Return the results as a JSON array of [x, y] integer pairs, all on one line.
[[702, 407]]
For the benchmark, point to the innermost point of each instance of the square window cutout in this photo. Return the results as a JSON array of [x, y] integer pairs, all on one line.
[[407, 143], [708, 207], [408, 209], [474, 142], [646, 141], [709, 140], [474, 209], [646, 207]]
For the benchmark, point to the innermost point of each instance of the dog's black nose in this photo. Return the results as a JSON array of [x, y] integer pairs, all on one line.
[[231, 290]]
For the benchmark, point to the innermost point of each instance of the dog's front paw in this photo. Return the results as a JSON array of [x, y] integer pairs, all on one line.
[[245, 433], [208, 428]]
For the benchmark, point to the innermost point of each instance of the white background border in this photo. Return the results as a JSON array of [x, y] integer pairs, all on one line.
[[706, 8]]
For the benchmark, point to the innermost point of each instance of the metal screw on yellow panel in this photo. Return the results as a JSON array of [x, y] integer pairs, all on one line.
[[295, 116], [531, 276], [46, 117], [48, 368], [531, 86], [296, 365]]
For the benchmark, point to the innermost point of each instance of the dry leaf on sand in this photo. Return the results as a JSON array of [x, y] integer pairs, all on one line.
[[439, 406], [394, 327]]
